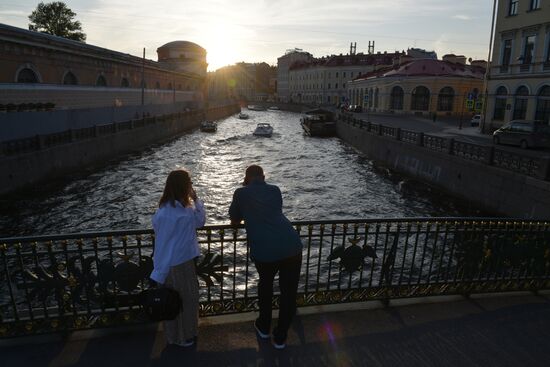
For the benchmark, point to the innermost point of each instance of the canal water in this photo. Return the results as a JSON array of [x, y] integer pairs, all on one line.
[[319, 178]]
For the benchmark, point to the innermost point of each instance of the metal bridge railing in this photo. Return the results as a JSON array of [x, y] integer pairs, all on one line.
[[87, 280]]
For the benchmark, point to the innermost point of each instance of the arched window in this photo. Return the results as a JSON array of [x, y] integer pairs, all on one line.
[[500, 104], [396, 98], [445, 99], [101, 81], [27, 75], [124, 83], [520, 103], [543, 104], [70, 79], [420, 99]]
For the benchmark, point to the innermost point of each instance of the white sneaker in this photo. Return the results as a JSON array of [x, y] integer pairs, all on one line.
[[187, 343], [260, 333]]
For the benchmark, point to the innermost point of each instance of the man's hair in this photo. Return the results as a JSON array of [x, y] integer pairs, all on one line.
[[254, 171]]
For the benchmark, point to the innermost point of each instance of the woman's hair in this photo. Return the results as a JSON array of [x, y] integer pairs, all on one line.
[[178, 187]]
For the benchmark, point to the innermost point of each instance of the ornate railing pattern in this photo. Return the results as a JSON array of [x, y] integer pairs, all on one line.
[[87, 280], [470, 151], [530, 166], [534, 166], [435, 143], [409, 136]]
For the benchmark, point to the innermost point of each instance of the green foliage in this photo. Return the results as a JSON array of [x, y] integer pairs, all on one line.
[[57, 19]]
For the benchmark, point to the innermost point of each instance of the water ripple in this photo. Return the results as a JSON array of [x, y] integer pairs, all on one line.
[[320, 179]]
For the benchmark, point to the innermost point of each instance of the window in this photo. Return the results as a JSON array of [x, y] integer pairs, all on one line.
[[169, 86], [337, 74], [547, 59], [396, 98], [500, 104], [535, 4], [101, 81], [445, 99], [124, 83], [70, 79], [520, 104], [376, 98], [328, 86], [157, 85], [344, 74], [543, 104], [26, 75], [528, 49], [513, 10], [420, 99], [506, 52], [336, 86]]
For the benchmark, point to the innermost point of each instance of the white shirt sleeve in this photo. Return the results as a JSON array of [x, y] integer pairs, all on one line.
[[199, 214], [163, 250]]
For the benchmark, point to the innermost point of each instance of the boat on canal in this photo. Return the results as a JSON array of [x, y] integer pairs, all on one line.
[[209, 126], [318, 122], [254, 107], [243, 116], [263, 129]]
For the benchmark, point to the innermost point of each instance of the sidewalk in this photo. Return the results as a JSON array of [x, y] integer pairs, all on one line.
[[504, 330]]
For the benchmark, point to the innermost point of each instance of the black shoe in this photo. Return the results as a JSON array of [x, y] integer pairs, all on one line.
[[261, 334]]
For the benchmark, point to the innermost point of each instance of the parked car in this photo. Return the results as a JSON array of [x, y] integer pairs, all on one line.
[[476, 119], [525, 133]]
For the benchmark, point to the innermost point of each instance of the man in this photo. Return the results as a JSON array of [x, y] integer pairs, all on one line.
[[275, 247]]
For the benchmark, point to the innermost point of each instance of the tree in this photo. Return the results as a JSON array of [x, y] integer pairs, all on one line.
[[57, 19]]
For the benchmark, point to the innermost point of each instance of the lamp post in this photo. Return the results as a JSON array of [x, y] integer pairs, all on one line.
[[488, 71]]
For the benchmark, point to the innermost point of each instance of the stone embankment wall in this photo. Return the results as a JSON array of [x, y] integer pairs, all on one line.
[[28, 161], [496, 180]]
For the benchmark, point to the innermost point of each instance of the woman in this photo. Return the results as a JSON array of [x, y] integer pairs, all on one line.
[[180, 213]]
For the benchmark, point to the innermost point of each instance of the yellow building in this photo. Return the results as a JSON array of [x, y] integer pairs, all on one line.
[[421, 87]]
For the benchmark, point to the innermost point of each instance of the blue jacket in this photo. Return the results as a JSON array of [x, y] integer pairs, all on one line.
[[270, 234]]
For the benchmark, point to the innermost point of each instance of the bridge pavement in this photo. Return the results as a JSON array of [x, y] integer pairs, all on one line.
[[506, 330]]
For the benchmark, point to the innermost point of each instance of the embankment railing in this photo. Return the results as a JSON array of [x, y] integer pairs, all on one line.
[[88, 280], [533, 166]]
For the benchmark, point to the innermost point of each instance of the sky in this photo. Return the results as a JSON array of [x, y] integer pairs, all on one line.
[[262, 30]]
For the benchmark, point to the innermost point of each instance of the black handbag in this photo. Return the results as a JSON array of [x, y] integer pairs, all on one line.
[[161, 303]]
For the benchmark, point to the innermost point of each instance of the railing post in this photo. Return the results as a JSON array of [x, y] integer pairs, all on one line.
[[420, 139], [450, 145], [489, 154], [544, 169]]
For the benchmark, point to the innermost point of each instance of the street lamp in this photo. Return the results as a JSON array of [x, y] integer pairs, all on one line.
[[488, 70]]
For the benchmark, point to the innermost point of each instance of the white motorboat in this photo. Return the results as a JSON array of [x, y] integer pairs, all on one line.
[[273, 108], [209, 126], [243, 116], [263, 129], [256, 108]]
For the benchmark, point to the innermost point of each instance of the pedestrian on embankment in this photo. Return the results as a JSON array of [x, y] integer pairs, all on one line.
[[179, 215], [275, 247]]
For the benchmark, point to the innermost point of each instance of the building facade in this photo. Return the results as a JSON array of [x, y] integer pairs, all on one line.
[[427, 87], [41, 68], [283, 67], [324, 80], [518, 85]]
